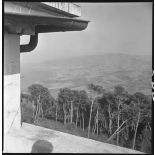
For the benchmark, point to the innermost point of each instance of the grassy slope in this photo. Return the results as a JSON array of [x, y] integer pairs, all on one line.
[[52, 124], [71, 129]]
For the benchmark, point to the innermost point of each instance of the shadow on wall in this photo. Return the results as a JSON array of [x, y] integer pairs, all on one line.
[[42, 146]]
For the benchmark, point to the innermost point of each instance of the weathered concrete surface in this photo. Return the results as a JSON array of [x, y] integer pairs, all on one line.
[[12, 113], [21, 141]]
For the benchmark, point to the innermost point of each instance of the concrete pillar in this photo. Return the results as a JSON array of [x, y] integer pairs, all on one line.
[[12, 113]]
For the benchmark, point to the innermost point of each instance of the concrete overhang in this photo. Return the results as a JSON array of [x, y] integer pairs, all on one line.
[[29, 24], [30, 18]]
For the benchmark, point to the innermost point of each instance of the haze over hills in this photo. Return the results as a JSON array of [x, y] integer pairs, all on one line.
[[134, 72]]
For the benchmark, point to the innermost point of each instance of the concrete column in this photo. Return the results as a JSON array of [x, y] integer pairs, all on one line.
[[12, 113]]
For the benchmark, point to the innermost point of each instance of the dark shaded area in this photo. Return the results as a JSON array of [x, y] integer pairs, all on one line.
[[42, 146]]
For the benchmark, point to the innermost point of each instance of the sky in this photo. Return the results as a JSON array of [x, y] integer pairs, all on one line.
[[113, 28]]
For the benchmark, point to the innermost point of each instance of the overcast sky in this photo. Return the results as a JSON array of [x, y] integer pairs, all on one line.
[[114, 27]]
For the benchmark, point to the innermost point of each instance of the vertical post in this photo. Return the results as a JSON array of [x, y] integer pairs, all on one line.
[[12, 113]]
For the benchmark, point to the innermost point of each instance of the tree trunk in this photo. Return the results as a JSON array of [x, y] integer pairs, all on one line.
[[134, 140], [36, 114], [118, 117], [77, 115], [42, 115], [80, 123], [94, 126], [65, 118], [56, 113], [34, 109], [110, 120], [105, 124], [38, 108], [38, 111], [90, 118], [83, 120], [64, 114], [117, 131], [71, 112], [110, 125], [97, 121]]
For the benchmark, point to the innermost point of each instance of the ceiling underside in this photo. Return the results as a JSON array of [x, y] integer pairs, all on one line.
[[30, 24]]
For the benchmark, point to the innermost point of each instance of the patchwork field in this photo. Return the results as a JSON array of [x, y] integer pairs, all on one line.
[[132, 71]]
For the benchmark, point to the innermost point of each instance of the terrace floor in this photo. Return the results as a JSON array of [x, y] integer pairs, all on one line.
[[22, 140]]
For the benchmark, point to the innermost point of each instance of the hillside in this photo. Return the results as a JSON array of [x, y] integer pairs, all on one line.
[[132, 71]]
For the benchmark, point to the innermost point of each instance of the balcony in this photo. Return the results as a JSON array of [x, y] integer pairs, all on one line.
[[22, 140], [69, 8]]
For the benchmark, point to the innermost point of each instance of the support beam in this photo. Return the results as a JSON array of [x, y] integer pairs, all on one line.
[[12, 113]]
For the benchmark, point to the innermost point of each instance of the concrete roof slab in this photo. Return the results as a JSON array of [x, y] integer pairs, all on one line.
[[22, 140]]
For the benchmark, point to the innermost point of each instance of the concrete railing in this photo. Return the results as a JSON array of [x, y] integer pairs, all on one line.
[[66, 7]]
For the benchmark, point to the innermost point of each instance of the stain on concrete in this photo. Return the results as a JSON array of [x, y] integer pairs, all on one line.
[[43, 134]]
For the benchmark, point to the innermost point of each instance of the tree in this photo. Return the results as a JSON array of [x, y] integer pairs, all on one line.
[[109, 102], [26, 108], [83, 103], [120, 98], [92, 101], [41, 97], [103, 113], [94, 91], [50, 108], [146, 141], [56, 110], [66, 100], [137, 111], [141, 105], [63, 103]]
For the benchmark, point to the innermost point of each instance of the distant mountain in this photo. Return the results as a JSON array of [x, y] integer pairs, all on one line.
[[132, 71]]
